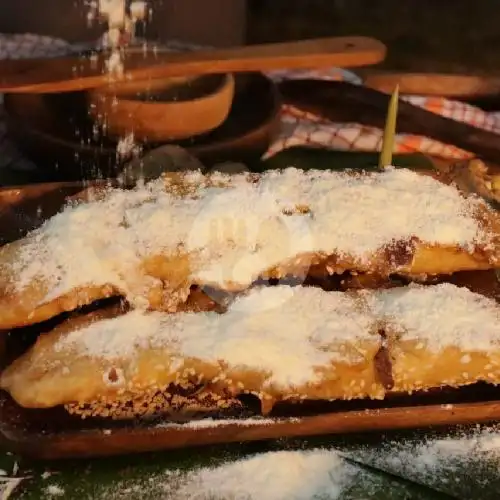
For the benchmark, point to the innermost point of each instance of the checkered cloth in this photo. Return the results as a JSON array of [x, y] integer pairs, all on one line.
[[298, 127], [306, 129]]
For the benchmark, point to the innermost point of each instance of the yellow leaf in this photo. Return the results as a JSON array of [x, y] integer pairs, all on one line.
[[385, 158]]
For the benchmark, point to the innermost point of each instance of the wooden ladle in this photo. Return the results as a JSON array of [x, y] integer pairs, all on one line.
[[89, 71]]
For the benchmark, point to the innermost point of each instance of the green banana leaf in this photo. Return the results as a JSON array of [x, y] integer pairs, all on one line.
[[385, 467], [144, 477]]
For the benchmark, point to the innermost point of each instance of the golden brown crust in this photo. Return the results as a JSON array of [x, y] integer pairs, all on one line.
[[416, 368], [411, 339], [44, 378], [476, 177], [171, 288], [172, 402], [52, 373]]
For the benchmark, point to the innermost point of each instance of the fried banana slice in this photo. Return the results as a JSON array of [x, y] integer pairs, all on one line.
[[474, 176], [151, 244], [39, 299], [440, 335], [277, 343]]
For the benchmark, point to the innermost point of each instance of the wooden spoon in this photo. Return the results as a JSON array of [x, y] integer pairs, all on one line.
[[82, 73]]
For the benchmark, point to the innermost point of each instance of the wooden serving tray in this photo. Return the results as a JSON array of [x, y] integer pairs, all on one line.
[[53, 434], [114, 440]]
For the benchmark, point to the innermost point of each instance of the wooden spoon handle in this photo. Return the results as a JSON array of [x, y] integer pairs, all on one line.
[[345, 52], [70, 73]]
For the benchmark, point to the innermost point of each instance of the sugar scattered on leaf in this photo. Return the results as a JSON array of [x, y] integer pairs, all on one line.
[[282, 475], [54, 490], [464, 464]]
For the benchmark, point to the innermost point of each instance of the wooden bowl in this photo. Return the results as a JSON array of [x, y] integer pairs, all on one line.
[[163, 110], [57, 134]]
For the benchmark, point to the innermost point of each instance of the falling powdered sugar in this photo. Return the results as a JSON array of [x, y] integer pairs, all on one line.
[[235, 227]]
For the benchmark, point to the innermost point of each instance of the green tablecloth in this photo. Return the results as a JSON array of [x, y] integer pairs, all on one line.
[[394, 466]]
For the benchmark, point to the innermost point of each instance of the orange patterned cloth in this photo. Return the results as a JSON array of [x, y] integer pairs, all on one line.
[[301, 128]]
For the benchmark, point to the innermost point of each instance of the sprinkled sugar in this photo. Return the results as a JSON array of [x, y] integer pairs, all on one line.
[[251, 333], [210, 423], [441, 316], [54, 490], [279, 475], [234, 233], [461, 463]]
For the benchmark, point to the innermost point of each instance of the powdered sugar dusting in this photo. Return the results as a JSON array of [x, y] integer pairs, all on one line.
[[234, 233], [54, 490], [441, 316], [210, 423], [459, 464], [318, 324], [281, 475], [250, 334], [464, 464], [271, 476]]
